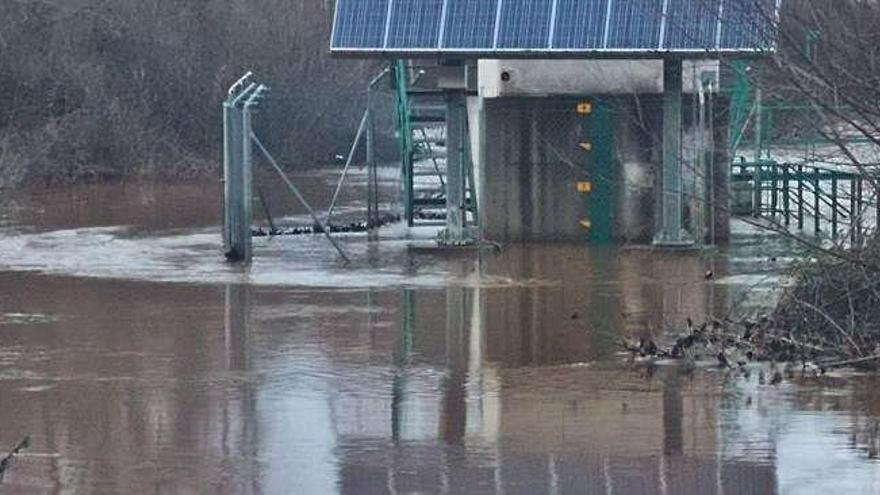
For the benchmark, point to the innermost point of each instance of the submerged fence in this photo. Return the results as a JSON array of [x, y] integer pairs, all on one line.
[[809, 197], [239, 142]]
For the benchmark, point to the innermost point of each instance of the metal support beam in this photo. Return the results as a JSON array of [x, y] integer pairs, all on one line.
[[348, 161], [670, 232], [293, 190], [372, 171], [455, 167]]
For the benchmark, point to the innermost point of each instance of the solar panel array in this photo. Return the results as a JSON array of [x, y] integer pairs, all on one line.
[[499, 27]]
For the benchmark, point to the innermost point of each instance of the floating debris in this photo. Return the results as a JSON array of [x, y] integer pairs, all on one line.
[[828, 317], [421, 214], [357, 226]]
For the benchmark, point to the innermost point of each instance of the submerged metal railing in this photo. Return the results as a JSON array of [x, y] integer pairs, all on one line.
[[796, 193]]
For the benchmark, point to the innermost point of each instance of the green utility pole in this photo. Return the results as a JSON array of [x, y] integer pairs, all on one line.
[[404, 127]]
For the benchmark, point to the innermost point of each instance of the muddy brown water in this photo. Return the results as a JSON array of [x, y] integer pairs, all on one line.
[[139, 362]]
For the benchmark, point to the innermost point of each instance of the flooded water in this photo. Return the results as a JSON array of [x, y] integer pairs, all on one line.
[[139, 362]]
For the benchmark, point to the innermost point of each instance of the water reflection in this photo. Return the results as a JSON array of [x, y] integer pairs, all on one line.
[[515, 388], [465, 417]]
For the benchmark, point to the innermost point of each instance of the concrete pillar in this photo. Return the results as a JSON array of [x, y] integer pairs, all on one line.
[[669, 229], [455, 166]]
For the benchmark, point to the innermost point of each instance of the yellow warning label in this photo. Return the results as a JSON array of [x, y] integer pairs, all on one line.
[[586, 146], [585, 187], [584, 108]]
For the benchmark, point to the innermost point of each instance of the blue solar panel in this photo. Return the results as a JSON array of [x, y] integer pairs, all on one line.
[[525, 24], [691, 24], [747, 24], [360, 23], [470, 24], [484, 28], [415, 23], [635, 24], [580, 24]]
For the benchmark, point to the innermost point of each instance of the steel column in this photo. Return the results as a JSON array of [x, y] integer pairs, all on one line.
[[817, 193], [455, 166], [670, 231]]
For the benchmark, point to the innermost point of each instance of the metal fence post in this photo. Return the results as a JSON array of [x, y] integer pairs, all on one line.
[[774, 190], [236, 230], [231, 156], [758, 194], [833, 205], [817, 195], [800, 196], [786, 199], [237, 177]]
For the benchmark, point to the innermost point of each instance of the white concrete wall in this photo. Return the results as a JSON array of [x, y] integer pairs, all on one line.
[[582, 77]]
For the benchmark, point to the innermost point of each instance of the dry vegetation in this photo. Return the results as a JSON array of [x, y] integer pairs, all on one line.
[[106, 89], [829, 316], [833, 308]]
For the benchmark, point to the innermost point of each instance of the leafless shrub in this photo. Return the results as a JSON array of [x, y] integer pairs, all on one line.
[[106, 89]]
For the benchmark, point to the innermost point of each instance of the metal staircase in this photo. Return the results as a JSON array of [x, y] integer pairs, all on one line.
[[421, 128]]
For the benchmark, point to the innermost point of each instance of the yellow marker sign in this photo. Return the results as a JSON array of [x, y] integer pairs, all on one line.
[[586, 146], [584, 108], [585, 187]]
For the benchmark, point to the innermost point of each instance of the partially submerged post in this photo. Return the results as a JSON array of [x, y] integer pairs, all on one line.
[[670, 232], [237, 171], [456, 138]]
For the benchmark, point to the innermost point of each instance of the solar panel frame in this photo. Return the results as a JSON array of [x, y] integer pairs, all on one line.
[[760, 40]]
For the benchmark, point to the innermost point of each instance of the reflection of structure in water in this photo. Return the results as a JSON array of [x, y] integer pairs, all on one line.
[[513, 411]]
